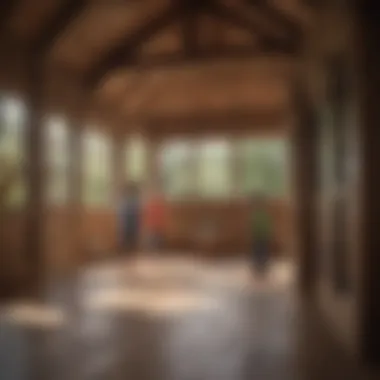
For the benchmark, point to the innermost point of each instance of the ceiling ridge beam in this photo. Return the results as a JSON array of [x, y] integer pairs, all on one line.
[[227, 117], [208, 55], [191, 9], [127, 47]]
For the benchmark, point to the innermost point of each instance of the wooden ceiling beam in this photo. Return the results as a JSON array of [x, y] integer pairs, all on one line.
[[127, 47], [190, 25], [6, 8], [190, 34], [210, 55], [239, 18], [56, 26], [125, 52], [206, 120], [273, 129], [277, 17]]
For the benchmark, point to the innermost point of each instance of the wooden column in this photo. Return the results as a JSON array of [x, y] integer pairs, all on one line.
[[304, 161], [368, 52], [34, 239], [76, 192], [119, 179]]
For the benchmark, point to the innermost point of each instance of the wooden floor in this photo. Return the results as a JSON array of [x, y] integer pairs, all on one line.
[[169, 319]]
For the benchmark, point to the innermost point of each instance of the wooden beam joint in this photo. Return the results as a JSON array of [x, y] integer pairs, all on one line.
[[125, 51], [69, 10]]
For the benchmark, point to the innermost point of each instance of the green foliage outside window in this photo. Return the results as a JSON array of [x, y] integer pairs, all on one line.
[[97, 171], [205, 168], [177, 169], [265, 166], [12, 180], [136, 159], [57, 161], [214, 168]]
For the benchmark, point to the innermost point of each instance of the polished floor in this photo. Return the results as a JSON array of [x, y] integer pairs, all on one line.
[[170, 319]]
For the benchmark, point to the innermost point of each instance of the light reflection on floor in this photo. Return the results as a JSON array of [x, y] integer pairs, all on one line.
[[159, 286], [149, 302], [35, 315], [155, 287]]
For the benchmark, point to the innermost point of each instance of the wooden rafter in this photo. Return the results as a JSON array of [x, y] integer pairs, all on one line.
[[278, 17], [57, 25], [189, 32], [6, 8], [240, 19], [190, 26], [126, 48], [187, 11], [211, 120], [124, 54], [209, 55]]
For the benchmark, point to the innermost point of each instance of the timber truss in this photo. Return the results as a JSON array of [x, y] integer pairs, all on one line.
[[187, 13], [252, 16]]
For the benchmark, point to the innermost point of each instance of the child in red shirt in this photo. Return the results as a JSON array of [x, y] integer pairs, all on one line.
[[154, 220]]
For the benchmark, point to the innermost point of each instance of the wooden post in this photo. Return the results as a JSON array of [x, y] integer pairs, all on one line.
[[76, 193], [34, 239], [304, 161], [119, 179], [368, 48]]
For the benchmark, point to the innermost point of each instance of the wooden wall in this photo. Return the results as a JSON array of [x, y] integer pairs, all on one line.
[[98, 234], [231, 219]]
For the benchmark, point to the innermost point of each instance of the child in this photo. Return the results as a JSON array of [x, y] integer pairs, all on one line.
[[129, 218], [261, 229], [154, 220]]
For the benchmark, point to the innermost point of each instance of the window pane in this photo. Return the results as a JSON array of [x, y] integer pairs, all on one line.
[[12, 151], [57, 160], [214, 168], [136, 159], [177, 169], [97, 169], [265, 165]]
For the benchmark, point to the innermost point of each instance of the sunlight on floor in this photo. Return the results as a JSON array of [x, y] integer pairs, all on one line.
[[155, 287], [149, 302], [33, 315], [162, 285]]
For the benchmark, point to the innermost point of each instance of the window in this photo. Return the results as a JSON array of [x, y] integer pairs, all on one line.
[[12, 150], [177, 168], [57, 160], [265, 167], [136, 159], [97, 169], [214, 175]]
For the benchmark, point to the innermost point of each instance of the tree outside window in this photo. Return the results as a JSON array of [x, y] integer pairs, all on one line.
[[136, 159], [57, 160], [214, 169], [265, 166], [97, 171], [177, 168], [12, 156]]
